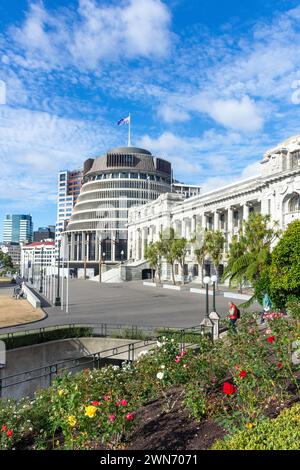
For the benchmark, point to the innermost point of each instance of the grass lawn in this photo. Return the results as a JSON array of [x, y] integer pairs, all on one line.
[[16, 312]]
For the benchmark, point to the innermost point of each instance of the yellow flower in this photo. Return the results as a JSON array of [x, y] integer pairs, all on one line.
[[90, 411], [60, 392], [249, 425], [72, 421]]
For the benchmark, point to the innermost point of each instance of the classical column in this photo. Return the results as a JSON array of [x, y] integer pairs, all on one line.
[[113, 248], [83, 245], [72, 249], [193, 225], [245, 211], [229, 225], [143, 244], [216, 221]]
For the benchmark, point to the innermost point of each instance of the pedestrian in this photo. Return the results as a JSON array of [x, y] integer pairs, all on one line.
[[233, 315], [267, 305]]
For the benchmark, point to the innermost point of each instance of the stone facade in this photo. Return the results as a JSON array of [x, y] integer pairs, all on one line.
[[275, 191]]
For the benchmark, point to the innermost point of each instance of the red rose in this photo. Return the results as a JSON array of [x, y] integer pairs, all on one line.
[[130, 417], [279, 365], [9, 433], [122, 403], [243, 373], [271, 339], [3, 428], [228, 388], [111, 418], [95, 403]]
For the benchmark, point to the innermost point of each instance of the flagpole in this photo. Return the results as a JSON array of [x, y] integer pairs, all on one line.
[[129, 131]]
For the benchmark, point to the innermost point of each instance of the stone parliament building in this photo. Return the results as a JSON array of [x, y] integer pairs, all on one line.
[[275, 191]]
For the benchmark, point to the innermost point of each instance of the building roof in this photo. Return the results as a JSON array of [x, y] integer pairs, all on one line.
[[36, 244]]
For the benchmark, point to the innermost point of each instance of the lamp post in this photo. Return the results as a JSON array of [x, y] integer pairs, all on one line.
[[122, 256], [57, 300], [206, 281], [214, 279], [41, 277]]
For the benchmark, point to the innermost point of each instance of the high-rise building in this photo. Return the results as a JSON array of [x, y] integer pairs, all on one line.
[[69, 184], [17, 228], [122, 178], [44, 233]]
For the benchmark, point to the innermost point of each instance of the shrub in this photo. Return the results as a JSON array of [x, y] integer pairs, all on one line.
[[285, 266], [281, 433]]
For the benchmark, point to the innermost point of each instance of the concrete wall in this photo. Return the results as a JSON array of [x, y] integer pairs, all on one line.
[[31, 297], [40, 356]]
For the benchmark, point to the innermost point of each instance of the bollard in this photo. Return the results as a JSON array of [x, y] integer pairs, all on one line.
[[215, 318]]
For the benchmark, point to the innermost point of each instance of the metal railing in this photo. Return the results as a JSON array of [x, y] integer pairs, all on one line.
[[44, 375]]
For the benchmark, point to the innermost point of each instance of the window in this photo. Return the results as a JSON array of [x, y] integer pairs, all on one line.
[[294, 204]]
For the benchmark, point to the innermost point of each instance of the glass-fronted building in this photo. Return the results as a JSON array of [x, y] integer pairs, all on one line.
[[17, 228]]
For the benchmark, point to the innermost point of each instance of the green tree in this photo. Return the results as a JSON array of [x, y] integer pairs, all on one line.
[[6, 264], [250, 255], [153, 254], [285, 266], [180, 249], [173, 249], [214, 246]]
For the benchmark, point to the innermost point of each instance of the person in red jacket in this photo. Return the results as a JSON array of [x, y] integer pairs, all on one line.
[[233, 315]]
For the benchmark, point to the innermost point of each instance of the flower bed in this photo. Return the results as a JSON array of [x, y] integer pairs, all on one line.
[[234, 384]]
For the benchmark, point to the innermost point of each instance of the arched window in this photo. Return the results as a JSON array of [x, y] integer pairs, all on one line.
[[294, 203]]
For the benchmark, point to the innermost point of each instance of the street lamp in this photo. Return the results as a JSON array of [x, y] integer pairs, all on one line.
[[122, 256], [206, 281], [57, 300], [214, 279]]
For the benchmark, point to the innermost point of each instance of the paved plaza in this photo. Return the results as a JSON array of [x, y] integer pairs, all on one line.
[[131, 303]]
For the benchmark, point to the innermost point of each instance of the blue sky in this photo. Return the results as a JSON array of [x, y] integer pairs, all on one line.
[[210, 85]]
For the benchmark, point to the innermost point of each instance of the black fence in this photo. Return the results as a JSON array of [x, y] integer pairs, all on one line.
[[24, 383]]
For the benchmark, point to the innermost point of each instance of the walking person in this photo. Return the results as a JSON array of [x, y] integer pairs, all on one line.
[[267, 305], [233, 315]]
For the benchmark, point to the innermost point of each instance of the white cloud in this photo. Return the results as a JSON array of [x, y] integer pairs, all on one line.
[[171, 114], [93, 34]]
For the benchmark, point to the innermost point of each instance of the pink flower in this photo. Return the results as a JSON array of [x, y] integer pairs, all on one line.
[[177, 360], [122, 403], [130, 417], [106, 397], [10, 433], [269, 331], [182, 353], [111, 418], [3, 427]]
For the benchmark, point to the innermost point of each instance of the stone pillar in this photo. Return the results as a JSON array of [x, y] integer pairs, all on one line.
[[113, 247], [83, 245], [245, 211], [137, 245], [72, 249], [215, 318], [229, 225], [193, 225], [143, 244], [216, 221]]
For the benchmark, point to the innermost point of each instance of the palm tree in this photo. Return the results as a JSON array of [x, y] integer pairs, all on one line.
[[250, 255]]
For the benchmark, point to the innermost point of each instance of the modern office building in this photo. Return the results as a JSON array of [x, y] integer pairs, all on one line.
[[14, 251], [68, 190], [112, 184], [44, 233], [34, 255], [17, 228], [275, 191]]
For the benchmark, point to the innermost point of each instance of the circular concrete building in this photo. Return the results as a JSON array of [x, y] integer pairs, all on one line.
[[112, 183]]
